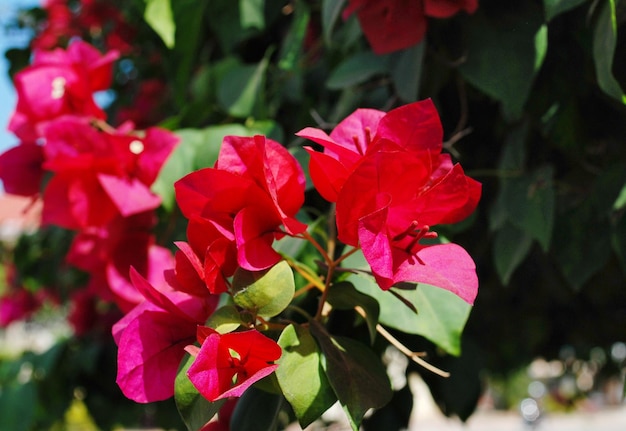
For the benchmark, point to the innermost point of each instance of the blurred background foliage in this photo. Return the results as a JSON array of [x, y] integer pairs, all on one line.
[[530, 94]]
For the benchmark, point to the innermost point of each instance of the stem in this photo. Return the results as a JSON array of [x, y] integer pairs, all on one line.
[[414, 356], [316, 244], [345, 255]]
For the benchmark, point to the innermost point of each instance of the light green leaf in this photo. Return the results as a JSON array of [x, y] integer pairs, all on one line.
[[194, 409], [441, 314], [620, 202], [251, 13], [510, 247], [225, 319], [158, 14], [553, 8], [301, 358], [355, 373], [357, 69], [267, 292], [503, 60], [604, 43]]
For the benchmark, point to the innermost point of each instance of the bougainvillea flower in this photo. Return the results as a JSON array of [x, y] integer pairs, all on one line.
[[388, 205], [207, 260], [272, 168], [57, 83], [99, 175], [226, 365], [58, 27], [20, 169], [250, 198], [414, 127], [343, 149], [389, 25], [447, 8], [107, 253], [151, 339], [17, 304]]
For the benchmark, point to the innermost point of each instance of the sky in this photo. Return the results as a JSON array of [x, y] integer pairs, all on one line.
[[9, 38]]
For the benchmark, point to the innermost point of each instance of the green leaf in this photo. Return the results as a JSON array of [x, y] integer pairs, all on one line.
[[199, 148], [406, 71], [331, 11], [356, 70], [582, 245], [225, 319], [188, 16], [442, 315], [18, 403], [256, 410], [300, 362], [618, 240], [529, 201], [620, 202], [604, 43], [504, 59], [510, 247], [194, 409], [292, 46], [158, 14], [239, 91], [267, 292], [251, 13], [355, 373], [344, 296], [525, 200], [553, 8]]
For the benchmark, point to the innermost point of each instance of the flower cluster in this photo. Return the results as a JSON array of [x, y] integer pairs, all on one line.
[[391, 185], [98, 177], [101, 18], [391, 25]]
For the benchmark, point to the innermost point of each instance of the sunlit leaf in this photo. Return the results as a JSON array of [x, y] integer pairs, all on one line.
[[267, 292], [604, 43], [194, 409], [251, 13], [441, 315], [225, 319], [301, 358], [158, 14]]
